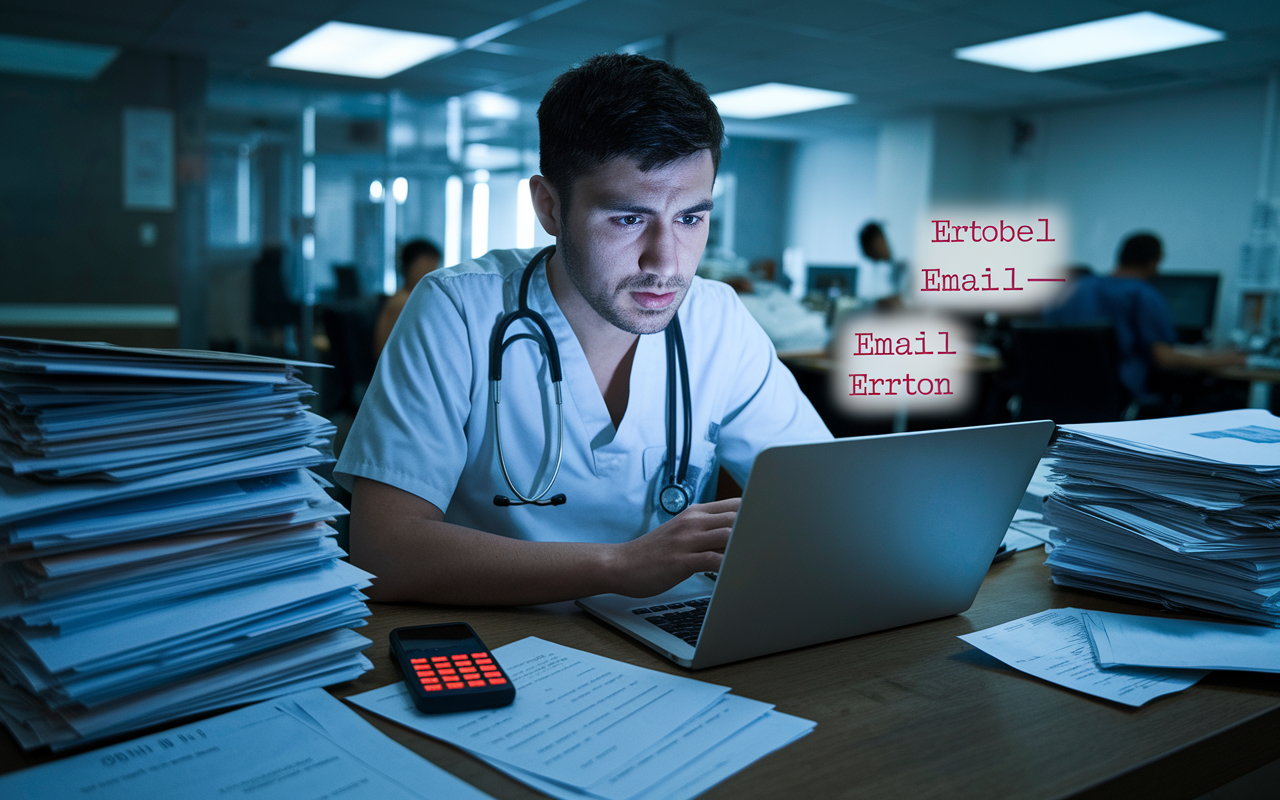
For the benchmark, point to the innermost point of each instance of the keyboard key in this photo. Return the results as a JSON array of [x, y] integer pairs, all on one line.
[[639, 611]]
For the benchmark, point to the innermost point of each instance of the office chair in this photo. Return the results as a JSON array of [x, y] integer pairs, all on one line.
[[1068, 373]]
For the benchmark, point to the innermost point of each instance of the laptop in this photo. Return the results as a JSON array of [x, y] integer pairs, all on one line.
[[842, 538]]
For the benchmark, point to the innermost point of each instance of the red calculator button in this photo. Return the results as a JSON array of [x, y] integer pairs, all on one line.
[[497, 681], [430, 680], [479, 655], [426, 673], [433, 688], [465, 670], [484, 660], [417, 661], [454, 685], [475, 683], [458, 656], [438, 659], [493, 674]]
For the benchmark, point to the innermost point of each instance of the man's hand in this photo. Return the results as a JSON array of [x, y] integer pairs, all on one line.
[[692, 541]]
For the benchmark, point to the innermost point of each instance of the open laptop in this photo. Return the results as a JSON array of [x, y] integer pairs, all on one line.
[[841, 538]]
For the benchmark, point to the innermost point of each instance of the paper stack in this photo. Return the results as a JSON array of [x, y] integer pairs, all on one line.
[[1182, 511], [164, 549]]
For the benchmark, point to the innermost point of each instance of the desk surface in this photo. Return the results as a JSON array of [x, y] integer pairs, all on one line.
[[912, 712]]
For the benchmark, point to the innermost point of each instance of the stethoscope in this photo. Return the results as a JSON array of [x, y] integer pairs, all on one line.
[[674, 497]]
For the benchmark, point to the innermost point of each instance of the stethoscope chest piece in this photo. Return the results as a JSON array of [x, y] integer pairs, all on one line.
[[673, 499]]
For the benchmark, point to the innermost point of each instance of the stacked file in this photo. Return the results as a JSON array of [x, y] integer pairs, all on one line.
[[1182, 511], [164, 548]]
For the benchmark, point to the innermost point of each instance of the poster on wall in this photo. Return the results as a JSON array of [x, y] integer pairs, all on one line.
[[148, 159]]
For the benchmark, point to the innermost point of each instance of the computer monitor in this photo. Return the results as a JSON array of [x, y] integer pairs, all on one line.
[[822, 279], [1192, 299]]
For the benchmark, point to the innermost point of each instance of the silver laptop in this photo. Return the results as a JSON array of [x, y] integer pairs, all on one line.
[[842, 538]]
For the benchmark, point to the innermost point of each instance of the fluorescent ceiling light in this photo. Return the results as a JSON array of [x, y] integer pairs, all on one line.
[[1091, 42], [776, 99], [341, 48], [54, 59]]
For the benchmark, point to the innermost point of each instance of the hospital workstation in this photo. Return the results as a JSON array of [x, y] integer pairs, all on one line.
[[326, 251]]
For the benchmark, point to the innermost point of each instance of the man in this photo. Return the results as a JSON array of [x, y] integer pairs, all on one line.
[[883, 276], [629, 150], [1144, 325], [418, 258]]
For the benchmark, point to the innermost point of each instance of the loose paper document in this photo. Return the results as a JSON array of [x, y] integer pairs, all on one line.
[[1054, 646], [303, 746], [1128, 640], [576, 719], [696, 772]]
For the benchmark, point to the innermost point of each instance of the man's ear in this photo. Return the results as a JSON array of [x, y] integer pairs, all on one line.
[[546, 204]]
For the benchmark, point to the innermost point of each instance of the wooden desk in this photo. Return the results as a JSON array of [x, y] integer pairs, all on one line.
[[913, 712]]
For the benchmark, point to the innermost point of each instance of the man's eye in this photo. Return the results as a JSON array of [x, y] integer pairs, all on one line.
[[690, 219], [630, 220]]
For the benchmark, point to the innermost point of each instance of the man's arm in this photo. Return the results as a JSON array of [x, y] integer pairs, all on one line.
[[416, 555], [1168, 356]]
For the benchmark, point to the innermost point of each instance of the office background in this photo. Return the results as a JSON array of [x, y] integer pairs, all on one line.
[[1170, 142]]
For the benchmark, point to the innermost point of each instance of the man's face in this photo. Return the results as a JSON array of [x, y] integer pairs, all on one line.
[[631, 240], [421, 267]]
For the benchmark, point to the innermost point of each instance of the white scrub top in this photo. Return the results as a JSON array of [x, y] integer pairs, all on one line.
[[426, 424]]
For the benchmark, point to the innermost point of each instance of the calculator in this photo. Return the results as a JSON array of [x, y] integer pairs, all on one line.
[[447, 668]]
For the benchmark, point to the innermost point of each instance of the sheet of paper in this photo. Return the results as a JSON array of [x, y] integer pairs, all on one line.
[[767, 733], [1054, 646], [1245, 436], [1129, 640], [305, 745], [576, 719]]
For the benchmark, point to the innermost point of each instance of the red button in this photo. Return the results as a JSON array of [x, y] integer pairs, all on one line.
[[479, 655], [448, 671], [454, 685], [497, 681], [459, 655], [433, 688], [439, 658], [465, 670], [475, 683], [493, 674], [430, 680], [417, 661], [484, 661]]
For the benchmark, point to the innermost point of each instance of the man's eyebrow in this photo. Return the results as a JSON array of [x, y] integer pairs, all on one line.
[[621, 206]]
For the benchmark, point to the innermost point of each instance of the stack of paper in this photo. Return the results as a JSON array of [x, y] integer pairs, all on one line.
[[585, 726], [1182, 511], [164, 549]]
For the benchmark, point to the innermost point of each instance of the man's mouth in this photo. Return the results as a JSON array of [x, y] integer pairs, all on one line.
[[653, 300]]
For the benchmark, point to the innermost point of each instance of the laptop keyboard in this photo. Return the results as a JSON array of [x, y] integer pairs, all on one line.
[[682, 620]]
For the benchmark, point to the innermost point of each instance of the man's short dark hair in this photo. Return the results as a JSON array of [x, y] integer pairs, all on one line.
[[623, 105], [415, 249], [869, 233], [1141, 250]]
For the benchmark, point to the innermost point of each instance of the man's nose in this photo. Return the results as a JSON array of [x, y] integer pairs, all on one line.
[[661, 254]]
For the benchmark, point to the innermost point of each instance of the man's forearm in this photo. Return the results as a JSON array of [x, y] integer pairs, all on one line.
[[420, 558]]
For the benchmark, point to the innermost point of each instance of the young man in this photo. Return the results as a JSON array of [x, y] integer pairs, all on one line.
[[1144, 325], [629, 150]]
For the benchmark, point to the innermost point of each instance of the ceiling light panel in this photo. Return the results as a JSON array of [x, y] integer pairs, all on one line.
[[776, 99], [341, 48], [1091, 42], [50, 58]]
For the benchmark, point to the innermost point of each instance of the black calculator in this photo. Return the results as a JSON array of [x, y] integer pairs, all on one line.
[[447, 668]]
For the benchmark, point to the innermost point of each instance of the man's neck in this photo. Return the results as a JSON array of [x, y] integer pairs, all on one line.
[[609, 349], [1129, 271]]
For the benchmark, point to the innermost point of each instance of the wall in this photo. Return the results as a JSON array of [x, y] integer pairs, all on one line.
[[64, 234], [763, 168], [833, 191]]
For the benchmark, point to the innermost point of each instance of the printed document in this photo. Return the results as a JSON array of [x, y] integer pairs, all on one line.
[[577, 717], [304, 746], [1054, 646]]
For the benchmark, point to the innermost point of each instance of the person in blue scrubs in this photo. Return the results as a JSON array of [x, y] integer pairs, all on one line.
[[629, 152]]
